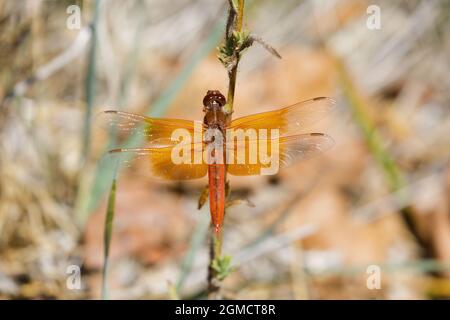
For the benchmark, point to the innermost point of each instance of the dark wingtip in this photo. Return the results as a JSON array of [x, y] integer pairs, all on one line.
[[321, 98], [331, 100], [330, 139]]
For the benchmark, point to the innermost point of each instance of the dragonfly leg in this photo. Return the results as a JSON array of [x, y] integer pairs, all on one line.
[[233, 202], [203, 197]]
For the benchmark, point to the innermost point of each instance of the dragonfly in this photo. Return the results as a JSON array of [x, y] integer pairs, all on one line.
[[261, 143]]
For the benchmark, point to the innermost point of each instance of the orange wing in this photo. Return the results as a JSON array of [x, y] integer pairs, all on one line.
[[290, 120], [159, 161], [158, 146]]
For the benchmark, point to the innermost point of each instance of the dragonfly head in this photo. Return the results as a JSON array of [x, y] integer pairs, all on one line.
[[213, 98]]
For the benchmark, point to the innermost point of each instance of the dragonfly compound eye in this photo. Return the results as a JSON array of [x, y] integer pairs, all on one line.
[[214, 96]]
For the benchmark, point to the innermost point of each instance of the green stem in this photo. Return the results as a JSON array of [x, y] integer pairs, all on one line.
[[215, 254], [90, 81], [107, 238], [232, 74]]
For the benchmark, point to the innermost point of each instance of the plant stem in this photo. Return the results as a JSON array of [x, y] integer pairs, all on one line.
[[91, 81], [240, 15], [214, 253], [234, 24], [236, 15], [109, 218]]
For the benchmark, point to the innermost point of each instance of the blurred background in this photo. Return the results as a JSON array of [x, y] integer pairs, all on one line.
[[374, 207]]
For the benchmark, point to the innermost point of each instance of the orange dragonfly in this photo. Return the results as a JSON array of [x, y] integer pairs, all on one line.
[[183, 149]]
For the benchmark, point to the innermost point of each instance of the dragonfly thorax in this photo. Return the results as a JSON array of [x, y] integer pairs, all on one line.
[[215, 116], [213, 102]]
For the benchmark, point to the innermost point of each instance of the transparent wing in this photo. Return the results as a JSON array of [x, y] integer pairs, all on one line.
[[157, 131], [272, 155]]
